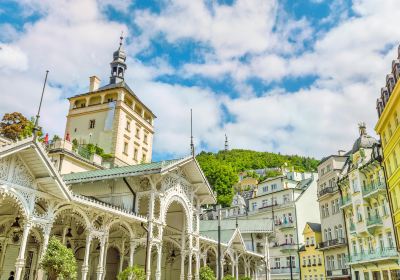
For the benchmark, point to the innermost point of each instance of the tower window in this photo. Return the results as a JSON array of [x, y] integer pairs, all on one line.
[[135, 154], [144, 158], [145, 139], [137, 133], [128, 126], [92, 123]]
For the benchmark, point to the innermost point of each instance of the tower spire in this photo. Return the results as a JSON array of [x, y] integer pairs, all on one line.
[[191, 133], [118, 65], [226, 143]]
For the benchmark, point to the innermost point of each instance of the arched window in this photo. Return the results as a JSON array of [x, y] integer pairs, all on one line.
[[329, 234], [336, 232]]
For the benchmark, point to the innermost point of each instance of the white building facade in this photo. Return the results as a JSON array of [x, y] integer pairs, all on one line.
[[334, 242], [286, 200]]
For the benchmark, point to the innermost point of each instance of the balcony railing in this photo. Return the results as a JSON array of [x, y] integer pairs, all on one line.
[[283, 225], [275, 206], [374, 221], [346, 201], [288, 247], [327, 190], [332, 243], [338, 272], [373, 189], [282, 270], [374, 255]]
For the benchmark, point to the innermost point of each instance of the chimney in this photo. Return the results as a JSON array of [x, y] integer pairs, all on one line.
[[341, 152], [94, 83]]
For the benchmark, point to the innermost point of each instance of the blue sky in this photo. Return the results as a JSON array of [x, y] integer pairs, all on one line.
[[285, 76]]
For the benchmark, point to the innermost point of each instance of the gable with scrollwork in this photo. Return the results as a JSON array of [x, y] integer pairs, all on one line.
[[21, 175], [4, 167]]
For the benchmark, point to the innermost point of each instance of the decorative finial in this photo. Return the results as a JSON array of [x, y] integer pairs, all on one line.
[[121, 38], [362, 128]]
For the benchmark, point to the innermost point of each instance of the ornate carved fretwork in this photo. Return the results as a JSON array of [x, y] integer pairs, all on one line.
[[4, 167], [21, 175]]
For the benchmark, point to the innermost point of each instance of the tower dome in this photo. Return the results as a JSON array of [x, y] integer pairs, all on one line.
[[364, 141], [118, 65]]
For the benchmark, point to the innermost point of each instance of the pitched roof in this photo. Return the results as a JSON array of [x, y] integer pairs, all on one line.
[[245, 226], [314, 226], [138, 169], [39, 164]]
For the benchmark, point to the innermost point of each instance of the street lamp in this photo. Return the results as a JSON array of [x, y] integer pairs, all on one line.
[[219, 209]]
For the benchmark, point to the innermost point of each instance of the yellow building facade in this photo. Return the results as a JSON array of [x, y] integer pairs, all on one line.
[[312, 260], [388, 107]]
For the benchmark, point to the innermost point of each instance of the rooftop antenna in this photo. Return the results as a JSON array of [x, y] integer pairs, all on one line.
[[226, 143], [191, 133], [36, 126]]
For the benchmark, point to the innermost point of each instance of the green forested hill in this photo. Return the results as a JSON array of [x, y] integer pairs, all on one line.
[[222, 168]]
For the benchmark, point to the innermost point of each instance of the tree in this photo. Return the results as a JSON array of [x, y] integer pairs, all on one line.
[[206, 273], [221, 168], [221, 177], [59, 261], [132, 273], [14, 125]]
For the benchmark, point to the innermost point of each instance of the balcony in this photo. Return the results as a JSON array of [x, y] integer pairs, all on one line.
[[346, 201], [338, 273], [284, 270], [374, 221], [327, 191], [338, 242], [373, 189], [374, 255], [284, 225], [288, 247], [275, 206]]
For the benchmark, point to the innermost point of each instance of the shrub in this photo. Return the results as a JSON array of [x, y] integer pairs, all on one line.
[[245, 278], [228, 277], [206, 273], [59, 261], [132, 273]]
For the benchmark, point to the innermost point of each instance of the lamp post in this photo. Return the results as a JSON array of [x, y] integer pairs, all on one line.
[[219, 209]]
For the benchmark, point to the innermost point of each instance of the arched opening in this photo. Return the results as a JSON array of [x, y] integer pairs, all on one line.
[[211, 260], [70, 228], [112, 263], [12, 222], [175, 233], [95, 100]]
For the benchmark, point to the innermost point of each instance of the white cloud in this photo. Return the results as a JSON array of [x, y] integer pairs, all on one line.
[[12, 58]]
